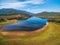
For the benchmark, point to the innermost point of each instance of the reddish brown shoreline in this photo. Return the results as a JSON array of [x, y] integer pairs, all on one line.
[[23, 34]]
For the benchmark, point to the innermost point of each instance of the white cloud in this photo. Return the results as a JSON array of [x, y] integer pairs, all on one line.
[[16, 4], [35, 1], [13, 5], [35, 10]]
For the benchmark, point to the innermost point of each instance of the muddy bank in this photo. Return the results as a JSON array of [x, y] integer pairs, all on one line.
[[1, 25], [24, 34]]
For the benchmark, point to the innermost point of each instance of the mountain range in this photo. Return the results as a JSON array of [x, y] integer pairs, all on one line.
[[10, 11], [14, 12], [48, 14]]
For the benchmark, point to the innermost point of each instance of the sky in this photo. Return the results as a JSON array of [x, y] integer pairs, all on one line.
[[33, 6]]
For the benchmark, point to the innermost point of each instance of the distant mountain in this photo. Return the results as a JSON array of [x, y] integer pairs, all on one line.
[[49, 14], [9, 12]]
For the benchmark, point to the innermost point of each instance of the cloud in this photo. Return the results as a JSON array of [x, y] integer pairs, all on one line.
[[35, 1], [35, 10], [13, 5], [17, 4]]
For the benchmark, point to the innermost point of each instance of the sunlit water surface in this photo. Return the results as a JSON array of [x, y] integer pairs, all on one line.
[[30, 24]]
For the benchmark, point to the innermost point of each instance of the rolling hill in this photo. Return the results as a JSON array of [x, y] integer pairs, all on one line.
[[10, 11], [14, 14], [48, 15]]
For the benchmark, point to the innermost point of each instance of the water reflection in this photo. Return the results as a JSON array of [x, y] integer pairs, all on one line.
[[29, 24]]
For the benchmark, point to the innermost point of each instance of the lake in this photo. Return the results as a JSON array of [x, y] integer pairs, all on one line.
[[30, 24]]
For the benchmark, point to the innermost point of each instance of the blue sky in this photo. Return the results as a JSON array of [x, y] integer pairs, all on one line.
[[34, 6]]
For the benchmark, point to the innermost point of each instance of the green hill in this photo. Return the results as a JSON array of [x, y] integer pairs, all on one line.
[[9, 14], [48, 15]]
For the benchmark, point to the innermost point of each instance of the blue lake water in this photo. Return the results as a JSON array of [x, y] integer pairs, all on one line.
[[29, 24]]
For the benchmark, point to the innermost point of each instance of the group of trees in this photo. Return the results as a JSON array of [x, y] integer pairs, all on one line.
[[10, 14], [54, 20], [18, 17], [2, 20]]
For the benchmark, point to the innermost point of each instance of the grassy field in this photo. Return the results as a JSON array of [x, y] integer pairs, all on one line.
[[4, 23], [9, 22], [49, 37]]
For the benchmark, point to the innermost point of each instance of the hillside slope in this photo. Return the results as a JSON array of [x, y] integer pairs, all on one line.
[[54, 15], [10, 11], [50, 37], [9, 14]]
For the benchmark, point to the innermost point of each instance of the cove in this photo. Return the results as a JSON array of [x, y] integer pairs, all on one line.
[[30, 24]]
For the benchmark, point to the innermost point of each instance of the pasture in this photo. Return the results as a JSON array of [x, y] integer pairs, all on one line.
[[51, 36]]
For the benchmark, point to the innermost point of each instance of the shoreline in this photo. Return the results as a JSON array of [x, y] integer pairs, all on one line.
[[17, 34]]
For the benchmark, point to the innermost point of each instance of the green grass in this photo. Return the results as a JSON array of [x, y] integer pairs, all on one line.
[[51, 36], [4, 22], [1, 22]]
